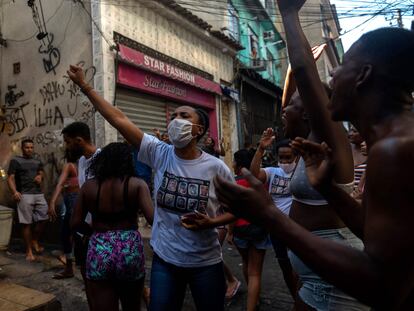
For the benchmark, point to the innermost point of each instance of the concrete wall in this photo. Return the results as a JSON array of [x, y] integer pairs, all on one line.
[[213, 12], [43, 99]]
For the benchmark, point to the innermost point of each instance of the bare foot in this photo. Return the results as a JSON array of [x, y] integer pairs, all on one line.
[[38, 249], [30, 257]]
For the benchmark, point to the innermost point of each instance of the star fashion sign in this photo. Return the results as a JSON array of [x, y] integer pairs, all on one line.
[[169, 70], [154, 65], [158, 77]]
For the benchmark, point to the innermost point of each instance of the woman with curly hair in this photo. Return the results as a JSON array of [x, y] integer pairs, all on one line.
[[115, 261]]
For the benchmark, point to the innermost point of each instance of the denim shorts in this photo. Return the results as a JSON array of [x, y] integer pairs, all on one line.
[[262, 244], [319, 294]]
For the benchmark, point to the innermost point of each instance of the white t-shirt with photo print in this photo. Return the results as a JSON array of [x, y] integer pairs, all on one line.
[[279, 188], [180, 187]]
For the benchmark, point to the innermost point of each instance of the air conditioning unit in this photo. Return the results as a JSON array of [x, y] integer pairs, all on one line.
[[258, 64], [268, 35]]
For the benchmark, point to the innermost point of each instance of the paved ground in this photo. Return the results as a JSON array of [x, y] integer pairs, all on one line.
[[70, 292]]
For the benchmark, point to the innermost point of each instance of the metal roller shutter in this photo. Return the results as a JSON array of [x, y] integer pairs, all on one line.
[[145, 111]]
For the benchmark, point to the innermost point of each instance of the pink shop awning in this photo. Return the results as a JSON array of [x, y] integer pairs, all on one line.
[[148, 63]]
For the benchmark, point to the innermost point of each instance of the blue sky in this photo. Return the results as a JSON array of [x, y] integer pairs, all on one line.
[[364, 7]]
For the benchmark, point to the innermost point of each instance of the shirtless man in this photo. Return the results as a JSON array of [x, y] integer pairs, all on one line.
[[373, 90]]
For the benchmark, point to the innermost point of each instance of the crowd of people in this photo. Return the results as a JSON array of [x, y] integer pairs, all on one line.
[[336, 207]]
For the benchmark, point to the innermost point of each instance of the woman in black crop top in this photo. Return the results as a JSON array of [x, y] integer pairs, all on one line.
[[115, 262]]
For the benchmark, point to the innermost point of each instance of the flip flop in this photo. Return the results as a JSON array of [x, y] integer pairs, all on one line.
[[62, 259], [235, 290], [62, 275]]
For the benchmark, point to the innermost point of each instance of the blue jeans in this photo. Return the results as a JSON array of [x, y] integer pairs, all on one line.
[[169, 283], [70, 200], [319, 294]]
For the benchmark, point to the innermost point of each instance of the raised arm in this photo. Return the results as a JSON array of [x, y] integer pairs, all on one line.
[[311, 89], [113, 115], [381, 275], [255, 167]]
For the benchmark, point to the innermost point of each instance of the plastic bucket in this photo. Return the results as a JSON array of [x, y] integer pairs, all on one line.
[[6, 222]]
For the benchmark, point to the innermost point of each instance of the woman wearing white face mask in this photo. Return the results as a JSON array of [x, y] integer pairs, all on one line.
[[184, 191], [278, 180]]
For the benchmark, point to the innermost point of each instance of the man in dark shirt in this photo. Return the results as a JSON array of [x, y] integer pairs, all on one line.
[[25, 177]]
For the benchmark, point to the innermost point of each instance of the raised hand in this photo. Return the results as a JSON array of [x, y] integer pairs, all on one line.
[[267, 138], [252, 203], [318, 160], [290, 5], [77, 75], [318, 50]]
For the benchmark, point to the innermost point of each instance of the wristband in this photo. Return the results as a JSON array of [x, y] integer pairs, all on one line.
[[86, 88]]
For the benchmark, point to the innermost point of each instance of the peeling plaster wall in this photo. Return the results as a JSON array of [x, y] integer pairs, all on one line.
[[41, 100]]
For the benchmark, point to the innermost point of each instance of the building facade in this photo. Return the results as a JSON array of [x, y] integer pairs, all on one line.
[[258, 74], [321, 25], [145, 57], [167, 57]]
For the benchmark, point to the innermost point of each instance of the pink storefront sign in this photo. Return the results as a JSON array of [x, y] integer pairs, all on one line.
[[168, 70], [151, 83]]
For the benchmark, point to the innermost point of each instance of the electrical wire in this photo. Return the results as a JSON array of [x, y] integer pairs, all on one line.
[[47, 21], [66, 27], [111, 45]]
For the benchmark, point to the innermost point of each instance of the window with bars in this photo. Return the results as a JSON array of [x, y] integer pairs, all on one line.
[[233, 26]]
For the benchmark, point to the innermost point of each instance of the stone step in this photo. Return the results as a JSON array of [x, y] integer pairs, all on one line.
[[14, 297]]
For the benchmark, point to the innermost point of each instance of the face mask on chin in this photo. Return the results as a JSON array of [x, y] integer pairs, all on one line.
[[287, 167], [180, 133]]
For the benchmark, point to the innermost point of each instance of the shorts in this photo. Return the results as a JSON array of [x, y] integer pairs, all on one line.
[[32, 208], [319, 294], [280, 249], [115, 255], [262, 244]]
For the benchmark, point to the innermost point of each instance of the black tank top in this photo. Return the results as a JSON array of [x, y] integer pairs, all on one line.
[[114, 217]]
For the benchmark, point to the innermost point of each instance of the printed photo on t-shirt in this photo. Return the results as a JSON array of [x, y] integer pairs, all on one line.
[[193, 190], [280, 186], [182, 188], [183, 195], [204, 191], [202, 206], [181, 203]]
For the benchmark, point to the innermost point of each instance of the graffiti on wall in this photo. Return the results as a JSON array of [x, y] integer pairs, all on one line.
[[51, 54], [11, 96], [59, 99]]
